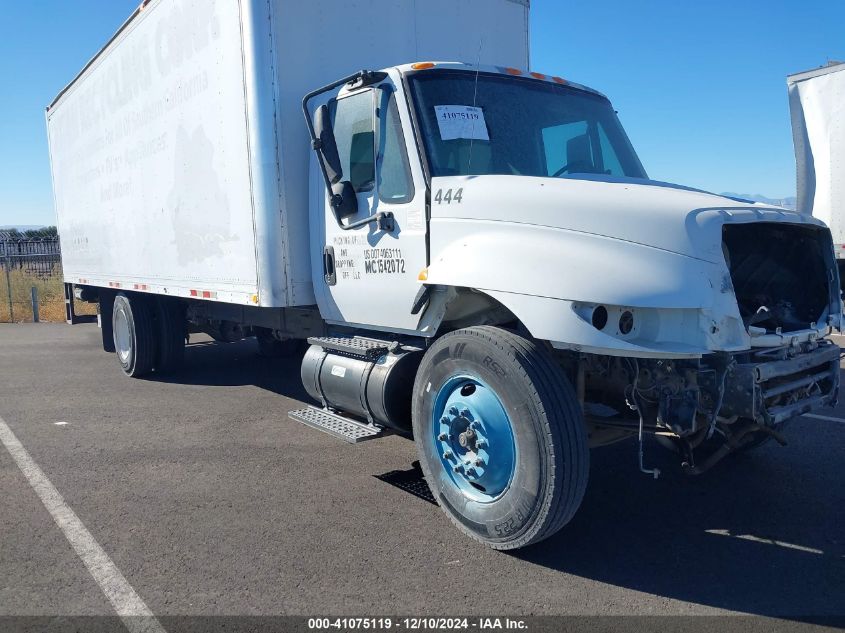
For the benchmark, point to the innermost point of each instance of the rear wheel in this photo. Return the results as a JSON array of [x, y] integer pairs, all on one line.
[[134, 334], [105, 310], [171, 330], [500, 436]]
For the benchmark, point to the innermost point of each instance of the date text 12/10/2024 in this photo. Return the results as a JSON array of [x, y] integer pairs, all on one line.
[[416, 624]]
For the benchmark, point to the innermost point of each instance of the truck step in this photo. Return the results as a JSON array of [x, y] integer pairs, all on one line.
[[358, 346], [343, 428]]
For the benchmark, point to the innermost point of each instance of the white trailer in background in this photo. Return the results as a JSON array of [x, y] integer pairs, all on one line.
[[473, 251], [817, 105]]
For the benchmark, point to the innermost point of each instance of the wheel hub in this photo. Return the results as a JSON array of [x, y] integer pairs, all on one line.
[[467, 439], [122, 335], [474, 439]]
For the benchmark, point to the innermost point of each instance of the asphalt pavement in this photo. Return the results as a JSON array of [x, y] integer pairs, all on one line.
[[209, 500]]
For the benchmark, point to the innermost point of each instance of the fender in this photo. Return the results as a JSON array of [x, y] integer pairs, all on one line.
[[552, 279]]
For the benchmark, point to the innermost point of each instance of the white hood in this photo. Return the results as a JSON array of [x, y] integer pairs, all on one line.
[[661, 215], [549, 248]]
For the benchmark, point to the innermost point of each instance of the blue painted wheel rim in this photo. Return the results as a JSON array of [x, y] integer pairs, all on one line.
[[473, 438]]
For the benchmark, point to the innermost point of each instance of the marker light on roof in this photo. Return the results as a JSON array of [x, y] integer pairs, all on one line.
[[513, 71], [538, 75], [422, 65]]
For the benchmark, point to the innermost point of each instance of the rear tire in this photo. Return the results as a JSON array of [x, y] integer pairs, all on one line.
[[105, 312], [500, 436], [172, 330], [134, 334]]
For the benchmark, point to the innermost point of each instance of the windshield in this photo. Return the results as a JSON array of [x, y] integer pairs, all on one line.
[[512, 125]]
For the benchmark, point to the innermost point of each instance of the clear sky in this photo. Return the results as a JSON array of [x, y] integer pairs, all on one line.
[[700, 86]]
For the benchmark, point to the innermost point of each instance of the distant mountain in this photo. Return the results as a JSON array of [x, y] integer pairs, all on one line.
[[788, 203]]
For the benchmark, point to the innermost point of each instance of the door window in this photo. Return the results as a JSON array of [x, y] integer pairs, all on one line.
[[352, 119], [395, 185]]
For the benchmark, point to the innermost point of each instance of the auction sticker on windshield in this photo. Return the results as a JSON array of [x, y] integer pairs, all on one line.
[[461, 122]]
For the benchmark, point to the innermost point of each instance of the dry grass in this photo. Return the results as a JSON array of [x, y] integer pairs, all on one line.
[[51, 298]]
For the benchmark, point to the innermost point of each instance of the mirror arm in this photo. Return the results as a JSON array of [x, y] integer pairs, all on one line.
[[384, 219], [316, 145]]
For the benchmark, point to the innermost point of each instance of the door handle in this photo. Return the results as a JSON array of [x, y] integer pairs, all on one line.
[[329, 273]]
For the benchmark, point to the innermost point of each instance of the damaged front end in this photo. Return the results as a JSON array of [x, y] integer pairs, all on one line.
[[785, 279], [773, 385], [787, 289]]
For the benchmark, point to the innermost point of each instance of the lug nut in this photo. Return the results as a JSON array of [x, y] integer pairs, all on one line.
[[447, 455], [444, 419], [479, 462], [442, 437], [480, 443], [458, 468], [465, 413], [453, 410]]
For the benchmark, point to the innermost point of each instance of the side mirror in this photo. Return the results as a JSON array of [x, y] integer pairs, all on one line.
[[326, 145], [343, 199]]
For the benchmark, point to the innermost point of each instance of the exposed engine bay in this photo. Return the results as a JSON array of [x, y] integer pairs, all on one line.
[[782, 274]]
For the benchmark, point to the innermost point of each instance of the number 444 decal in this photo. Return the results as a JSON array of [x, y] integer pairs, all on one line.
[[448, 198]]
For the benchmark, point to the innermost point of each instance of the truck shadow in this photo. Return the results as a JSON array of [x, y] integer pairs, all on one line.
[[750, 536], [236, 364], [761, 533]]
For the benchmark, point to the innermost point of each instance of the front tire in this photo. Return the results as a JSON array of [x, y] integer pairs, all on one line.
[[134, 334], [500, 436]]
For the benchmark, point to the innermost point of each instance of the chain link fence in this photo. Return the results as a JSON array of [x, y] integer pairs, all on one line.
[[31, 284]]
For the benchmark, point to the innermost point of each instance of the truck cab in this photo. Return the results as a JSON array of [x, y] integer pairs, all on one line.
[[525, 191], [412, 146]]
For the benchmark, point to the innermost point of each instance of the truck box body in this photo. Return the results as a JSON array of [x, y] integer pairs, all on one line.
[[180, 155], [817, 103]]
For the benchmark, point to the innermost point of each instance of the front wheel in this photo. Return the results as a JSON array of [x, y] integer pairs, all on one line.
[[500, 436]]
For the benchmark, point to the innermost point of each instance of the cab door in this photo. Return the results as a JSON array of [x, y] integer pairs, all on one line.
[[369, 274]]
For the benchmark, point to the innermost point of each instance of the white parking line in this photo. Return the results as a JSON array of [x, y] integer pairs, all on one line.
[[757, 539], [824, 417], [136, 616]]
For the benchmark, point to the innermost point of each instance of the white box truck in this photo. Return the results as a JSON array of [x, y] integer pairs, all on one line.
[[817, 105], [472, 251]]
